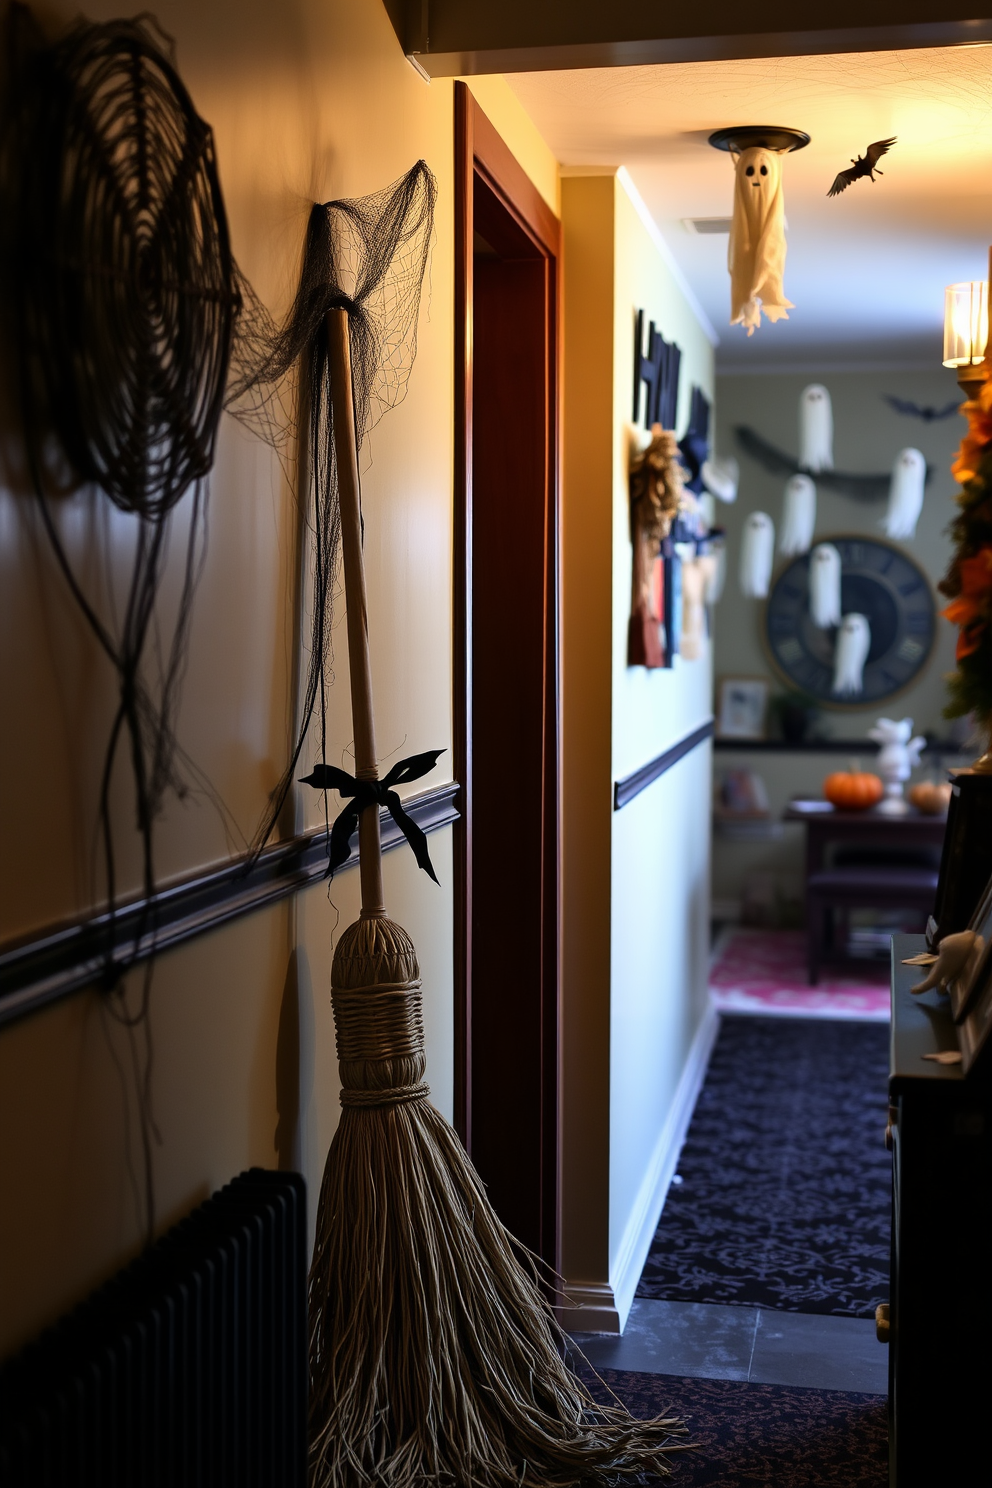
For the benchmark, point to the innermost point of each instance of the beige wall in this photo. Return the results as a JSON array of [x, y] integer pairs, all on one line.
[[309, 99], [868, 434], [636, 895]]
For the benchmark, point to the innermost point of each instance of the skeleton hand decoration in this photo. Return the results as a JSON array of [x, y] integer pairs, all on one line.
[[953, 956]]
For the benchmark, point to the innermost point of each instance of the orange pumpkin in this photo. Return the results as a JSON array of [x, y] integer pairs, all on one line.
[[853, 790], [932, 800]]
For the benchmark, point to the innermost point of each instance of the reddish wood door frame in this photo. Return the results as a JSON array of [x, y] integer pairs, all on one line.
[[506, 709]]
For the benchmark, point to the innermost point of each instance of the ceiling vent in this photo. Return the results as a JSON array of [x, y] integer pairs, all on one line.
[[706, 224]]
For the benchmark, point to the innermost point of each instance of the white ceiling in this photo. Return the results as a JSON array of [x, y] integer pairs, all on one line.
[[867, 269]]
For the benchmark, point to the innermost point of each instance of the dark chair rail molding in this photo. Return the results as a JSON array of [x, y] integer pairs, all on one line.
[[68, 957], [630, 786]]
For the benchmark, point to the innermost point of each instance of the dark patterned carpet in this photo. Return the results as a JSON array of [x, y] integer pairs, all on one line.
[[785, 1193], [763, 1436]]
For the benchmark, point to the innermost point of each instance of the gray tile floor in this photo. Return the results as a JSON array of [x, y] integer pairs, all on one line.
[[744, 1343]]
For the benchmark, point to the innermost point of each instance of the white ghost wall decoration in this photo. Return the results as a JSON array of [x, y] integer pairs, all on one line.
[[717, 574], [721, 477], [756, 257], [816, 428], [824, 586], [909, 475], [850, 655], [798, 516], [757, 554]]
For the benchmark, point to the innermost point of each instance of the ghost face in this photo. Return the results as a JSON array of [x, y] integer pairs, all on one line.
[[758, 176]]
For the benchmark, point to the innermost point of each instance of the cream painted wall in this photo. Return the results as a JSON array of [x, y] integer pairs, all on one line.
[[636, 898], [868, 434], [309, 99], [660, 858]]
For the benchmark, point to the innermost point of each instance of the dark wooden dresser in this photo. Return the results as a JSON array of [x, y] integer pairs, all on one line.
[[940, 1310]]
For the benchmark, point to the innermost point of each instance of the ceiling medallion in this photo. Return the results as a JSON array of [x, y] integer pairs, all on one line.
[[758, 136]]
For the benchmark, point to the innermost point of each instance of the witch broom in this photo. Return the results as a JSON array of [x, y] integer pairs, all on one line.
[[435, 1359]]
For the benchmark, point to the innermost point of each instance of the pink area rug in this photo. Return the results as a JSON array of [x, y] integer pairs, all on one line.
[[764, 971]]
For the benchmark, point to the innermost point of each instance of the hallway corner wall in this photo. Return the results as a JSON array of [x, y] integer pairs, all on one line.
[[636, 902]]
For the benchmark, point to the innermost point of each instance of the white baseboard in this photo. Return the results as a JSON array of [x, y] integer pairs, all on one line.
[[643, 1222], [588, 1307]]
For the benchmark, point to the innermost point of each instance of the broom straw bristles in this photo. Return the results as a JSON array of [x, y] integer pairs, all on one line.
[[436, 1361]]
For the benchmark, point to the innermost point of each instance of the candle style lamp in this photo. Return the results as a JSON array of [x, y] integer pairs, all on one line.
[[966, 333], [966, 859]]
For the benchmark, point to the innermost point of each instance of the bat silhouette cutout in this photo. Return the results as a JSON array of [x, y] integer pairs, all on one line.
[[865, 165], [915, 410]]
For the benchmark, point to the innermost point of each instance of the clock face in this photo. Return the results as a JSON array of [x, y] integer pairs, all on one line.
[[878, 581]]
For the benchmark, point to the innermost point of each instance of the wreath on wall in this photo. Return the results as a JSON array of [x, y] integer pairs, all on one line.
[[968, 581]]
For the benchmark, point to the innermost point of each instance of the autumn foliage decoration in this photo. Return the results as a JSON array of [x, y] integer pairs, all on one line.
[[968, 581]]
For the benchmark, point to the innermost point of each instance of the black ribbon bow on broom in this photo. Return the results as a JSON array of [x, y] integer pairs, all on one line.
[[364, 793]]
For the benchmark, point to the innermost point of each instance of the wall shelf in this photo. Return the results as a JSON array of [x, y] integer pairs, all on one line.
[[936, 747]]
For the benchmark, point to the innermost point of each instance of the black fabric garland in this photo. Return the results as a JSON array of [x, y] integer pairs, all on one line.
[[777, 462]]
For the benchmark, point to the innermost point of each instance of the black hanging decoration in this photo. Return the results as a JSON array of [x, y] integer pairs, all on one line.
[[694, 446], [777, 462], [658, 369], [926, 412], [369, 255], [123, 298]]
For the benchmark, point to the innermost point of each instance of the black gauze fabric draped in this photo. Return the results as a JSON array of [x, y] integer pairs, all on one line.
[[368, 255]]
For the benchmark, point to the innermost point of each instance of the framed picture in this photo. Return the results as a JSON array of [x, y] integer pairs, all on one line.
[[741, 705]]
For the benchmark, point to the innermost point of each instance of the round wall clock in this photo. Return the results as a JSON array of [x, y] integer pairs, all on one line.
[[878, 581]]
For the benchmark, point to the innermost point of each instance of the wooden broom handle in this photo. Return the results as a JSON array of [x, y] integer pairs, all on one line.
[[360, 665]]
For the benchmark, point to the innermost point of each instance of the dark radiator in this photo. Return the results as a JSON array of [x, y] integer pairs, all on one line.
[[187, 1370]]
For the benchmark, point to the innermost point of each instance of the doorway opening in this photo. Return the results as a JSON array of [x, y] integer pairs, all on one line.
[[506, 680]]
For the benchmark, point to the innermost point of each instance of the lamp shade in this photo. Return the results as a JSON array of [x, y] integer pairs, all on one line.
[[966, 323]]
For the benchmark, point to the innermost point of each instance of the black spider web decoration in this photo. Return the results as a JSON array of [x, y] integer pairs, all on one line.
[[124, 313], [123, 305]]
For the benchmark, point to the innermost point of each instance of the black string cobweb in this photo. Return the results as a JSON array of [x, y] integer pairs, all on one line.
[[123, 302], [368, 255]]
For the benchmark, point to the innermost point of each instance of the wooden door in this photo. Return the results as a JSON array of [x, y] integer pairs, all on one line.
[[506, 680]]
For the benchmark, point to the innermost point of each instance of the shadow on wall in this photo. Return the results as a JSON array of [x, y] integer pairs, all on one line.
[[295, 1067]]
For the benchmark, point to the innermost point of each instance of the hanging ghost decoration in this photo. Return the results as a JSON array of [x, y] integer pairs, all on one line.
[[824, 586], [909, 475], [816, 428], [850, 655], [721, 477], [757, 553], [798, 517], [756, 256], [717, 574]]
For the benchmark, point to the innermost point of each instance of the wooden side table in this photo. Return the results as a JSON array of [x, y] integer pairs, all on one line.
[[844, 888]]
